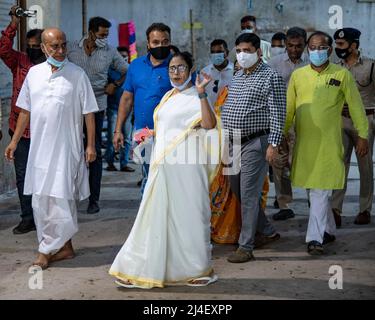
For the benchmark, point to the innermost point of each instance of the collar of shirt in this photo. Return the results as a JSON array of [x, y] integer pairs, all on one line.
[[230, 67], [303, 58], [165, 63], [359, 61], [328, 68], [259, 66]]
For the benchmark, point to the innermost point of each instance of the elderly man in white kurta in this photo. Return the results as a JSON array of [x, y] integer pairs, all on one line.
[[56, 96]]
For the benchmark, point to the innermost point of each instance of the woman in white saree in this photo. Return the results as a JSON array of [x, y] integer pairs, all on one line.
[[169, 243]]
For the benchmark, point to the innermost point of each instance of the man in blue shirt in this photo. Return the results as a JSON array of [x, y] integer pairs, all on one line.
[[146, 83]]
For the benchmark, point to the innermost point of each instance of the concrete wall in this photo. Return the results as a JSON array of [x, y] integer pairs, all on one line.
[[220, 18]]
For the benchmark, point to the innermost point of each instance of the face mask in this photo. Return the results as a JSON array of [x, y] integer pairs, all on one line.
[[342, 53], [182, 86], [276, 51], [318, 57], [217, 59], [247, 60], [101, 43], [247, 31], [160, 53], [53, 62], [35, 55]]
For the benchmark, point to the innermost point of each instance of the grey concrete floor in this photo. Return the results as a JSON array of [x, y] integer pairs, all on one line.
[[282, 270]]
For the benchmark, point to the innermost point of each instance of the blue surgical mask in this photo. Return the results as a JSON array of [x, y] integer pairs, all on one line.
[[53, 62], [182, 86], [217, 59], [318, 57]]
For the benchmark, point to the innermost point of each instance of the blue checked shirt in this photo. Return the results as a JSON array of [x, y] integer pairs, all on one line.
[[256, 102]]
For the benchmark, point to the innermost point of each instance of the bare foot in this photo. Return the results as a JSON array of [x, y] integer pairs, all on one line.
[[66, 252], [42, 260]]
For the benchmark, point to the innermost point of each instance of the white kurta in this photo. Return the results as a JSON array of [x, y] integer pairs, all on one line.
[[56, 102], [56, 173], [170, 240]]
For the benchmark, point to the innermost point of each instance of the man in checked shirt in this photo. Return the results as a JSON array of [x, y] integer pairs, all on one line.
[[254, 115]]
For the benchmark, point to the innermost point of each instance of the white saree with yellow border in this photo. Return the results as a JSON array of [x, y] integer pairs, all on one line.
[[169, 243]]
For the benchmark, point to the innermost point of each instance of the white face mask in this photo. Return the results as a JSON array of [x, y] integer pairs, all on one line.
[[247, 31], [247, 60], [275, 51], [182, 86]]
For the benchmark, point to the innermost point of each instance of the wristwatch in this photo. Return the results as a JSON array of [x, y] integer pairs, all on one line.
[[202, 95]]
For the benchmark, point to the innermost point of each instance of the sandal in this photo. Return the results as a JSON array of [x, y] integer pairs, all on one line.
[[124, 284], [208, 280], [314, 248]]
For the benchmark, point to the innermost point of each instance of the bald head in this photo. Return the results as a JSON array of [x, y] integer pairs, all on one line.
[[54, 43], [51, 34]]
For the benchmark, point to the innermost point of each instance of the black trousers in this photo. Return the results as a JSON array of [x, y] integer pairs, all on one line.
[[20, 162], [96, 167]]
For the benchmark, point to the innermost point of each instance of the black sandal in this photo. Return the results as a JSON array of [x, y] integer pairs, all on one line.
[[314, 248]]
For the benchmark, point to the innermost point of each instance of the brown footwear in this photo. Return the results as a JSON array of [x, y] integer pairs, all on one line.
[[337, 216], [111, 167], [241, 255], [127, 169], [363, 218]]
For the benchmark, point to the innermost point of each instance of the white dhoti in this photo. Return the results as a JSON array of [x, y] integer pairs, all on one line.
[[321, 217], [55, 220]]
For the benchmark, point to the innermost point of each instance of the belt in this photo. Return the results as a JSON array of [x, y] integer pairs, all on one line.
[[254, 135], [345, 112]]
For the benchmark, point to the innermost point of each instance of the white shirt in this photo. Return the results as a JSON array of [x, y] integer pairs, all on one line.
[[57, 102], [220, 79], [284, 66]]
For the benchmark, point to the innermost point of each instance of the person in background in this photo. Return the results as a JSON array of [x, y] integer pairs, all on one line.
[[146, 82], [249, 25], [93, 54], [114, 96], [285, 64], [362, 69], [278, 44], [19, 64], [220, 69]]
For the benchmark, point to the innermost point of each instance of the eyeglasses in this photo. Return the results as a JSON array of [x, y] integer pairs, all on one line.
[[180, 68], [313, 48]]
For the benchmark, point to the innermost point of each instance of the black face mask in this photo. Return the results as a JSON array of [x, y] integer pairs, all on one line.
[[342, 53], [35, 55], [160, 53]]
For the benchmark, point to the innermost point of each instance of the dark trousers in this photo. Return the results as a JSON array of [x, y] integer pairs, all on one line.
[[20, 162], [96, 167]]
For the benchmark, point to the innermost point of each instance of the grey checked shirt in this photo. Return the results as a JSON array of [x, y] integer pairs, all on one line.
[[256, 102], [97, 66]]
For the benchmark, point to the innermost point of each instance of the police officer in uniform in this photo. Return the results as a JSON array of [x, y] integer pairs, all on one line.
[[362, 69]]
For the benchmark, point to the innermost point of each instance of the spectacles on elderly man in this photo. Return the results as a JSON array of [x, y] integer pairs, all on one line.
[[180, 68]]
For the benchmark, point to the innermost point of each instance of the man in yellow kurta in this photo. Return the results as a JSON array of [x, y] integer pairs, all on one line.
[[316, 95]]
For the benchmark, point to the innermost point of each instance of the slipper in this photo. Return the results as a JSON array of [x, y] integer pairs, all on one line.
[[122, 284], [209, 280]]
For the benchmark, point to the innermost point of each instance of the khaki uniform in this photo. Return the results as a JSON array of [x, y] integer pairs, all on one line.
[[366, 85]]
